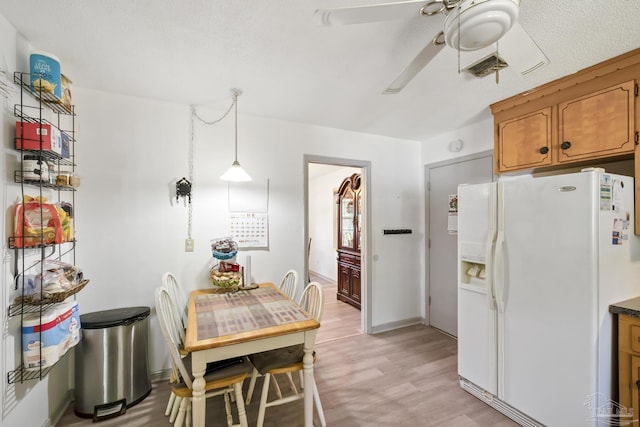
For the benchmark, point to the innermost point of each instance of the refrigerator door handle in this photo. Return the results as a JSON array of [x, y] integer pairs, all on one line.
[[499, 273], [491, 294]]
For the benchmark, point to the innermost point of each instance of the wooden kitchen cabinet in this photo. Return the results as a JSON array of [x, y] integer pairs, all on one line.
[[597, 125], [593, 126], [589, 118], [629, 364], [525, 142], [349, 281], [349, 240]]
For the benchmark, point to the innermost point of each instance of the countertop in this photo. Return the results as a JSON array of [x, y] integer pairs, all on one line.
[[630, 307]]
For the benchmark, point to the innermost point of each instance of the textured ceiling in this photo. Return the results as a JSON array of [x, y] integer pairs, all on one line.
[[195, 51]]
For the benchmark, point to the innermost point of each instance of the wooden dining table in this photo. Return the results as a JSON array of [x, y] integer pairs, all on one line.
[[222, 325]]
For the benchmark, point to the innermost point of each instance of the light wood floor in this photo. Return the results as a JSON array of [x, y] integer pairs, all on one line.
[[405, 377]]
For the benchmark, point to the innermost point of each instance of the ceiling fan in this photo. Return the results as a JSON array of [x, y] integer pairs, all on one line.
[[469, 25]]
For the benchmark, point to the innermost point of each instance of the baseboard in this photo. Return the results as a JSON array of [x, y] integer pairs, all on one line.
[[323, 278], [162, 375], [499, 405], [59, 412], [396, 325]]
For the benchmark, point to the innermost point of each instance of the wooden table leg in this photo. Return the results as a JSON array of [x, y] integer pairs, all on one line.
[[307, 361], [198, 367]]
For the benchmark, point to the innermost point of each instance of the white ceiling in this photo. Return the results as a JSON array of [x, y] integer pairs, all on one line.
[[195, 51]]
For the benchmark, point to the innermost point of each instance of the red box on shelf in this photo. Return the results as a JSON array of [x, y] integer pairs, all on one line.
[[28, 136]]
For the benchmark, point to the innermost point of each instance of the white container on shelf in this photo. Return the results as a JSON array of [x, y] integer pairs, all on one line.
[[34, 168]]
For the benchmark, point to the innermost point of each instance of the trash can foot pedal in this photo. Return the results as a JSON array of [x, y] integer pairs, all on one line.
[[109, 410]]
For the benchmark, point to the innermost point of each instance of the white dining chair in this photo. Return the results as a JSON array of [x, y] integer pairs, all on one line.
[[289, 284], [177, 294], [179, 300], [222, 381], [288, 360]]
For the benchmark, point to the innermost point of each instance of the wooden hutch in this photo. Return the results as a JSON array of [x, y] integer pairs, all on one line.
[[349, 199]]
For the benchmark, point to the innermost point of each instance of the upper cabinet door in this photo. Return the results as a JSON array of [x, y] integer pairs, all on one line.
[[350, 214], [596, 125], [525, 142], [347, 214]]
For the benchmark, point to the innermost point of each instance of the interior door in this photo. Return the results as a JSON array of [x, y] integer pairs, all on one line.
[[442, 182]]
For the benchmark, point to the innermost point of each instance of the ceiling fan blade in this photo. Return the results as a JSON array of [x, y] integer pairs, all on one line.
[[520, 51], [370, 13], [414, 67]]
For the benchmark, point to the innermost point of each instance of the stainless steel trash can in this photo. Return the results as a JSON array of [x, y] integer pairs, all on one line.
[[112, 362]]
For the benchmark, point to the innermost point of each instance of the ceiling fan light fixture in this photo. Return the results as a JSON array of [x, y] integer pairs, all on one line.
[[477, 24]]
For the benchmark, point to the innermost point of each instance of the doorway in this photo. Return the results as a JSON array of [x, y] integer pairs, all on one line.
[[442, 180], [325, 243]]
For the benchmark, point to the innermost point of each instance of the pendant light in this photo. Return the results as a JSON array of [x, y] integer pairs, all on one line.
[[235, 172]]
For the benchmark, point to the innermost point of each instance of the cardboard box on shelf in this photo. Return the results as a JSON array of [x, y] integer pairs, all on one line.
[[65, 141], [29, 135]]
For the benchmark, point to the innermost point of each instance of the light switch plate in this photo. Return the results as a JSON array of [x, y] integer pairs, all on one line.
[[188, 245]]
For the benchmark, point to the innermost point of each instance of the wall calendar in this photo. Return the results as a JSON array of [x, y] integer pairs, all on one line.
[[249, 229]]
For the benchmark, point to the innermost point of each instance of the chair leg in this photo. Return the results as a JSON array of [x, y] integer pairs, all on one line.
[[182, 412], [227, 408], [252, 384], [263, 400], [276, 386], [177, 402], [316, 398], [188, 423], [172, 398], [242, 414], [292, 384]]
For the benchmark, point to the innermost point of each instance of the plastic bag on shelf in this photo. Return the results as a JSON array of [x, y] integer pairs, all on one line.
[[36, 222], [56, 276]]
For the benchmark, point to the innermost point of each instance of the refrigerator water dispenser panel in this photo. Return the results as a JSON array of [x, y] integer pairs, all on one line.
[[473, 252], [472, 273]]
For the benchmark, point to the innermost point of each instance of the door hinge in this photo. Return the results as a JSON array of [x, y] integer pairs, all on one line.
[[429, 244], [429, 299], [637, 138], [428, 185], [635, 91]]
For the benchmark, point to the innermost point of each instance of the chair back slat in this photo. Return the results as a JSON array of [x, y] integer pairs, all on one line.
[[165, 309], [178, 299], [289, 283], [312, 300]]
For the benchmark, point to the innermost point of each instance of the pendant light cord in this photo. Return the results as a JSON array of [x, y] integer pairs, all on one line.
[[235, 103], [194, 114]]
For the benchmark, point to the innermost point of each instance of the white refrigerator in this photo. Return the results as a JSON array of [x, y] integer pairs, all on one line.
[[540, 260]]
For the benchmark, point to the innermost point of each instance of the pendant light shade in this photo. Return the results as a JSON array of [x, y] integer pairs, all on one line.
[[235, 172]]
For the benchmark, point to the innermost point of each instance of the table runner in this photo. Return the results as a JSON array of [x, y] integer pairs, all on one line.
[[220, 314]]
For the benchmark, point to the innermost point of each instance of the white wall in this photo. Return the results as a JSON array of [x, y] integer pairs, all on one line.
[[476, 137], [130, 149], [322, 259]]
